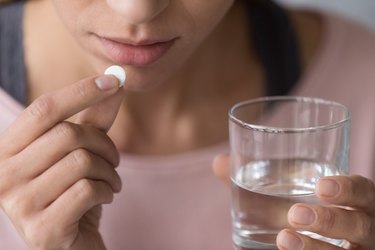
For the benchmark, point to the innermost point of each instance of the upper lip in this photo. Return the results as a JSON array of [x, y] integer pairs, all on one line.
[[140, 42]]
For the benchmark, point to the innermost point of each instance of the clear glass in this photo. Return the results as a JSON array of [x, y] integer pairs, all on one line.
[[280, 147]]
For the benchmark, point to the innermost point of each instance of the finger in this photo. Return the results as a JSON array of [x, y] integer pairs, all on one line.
[[354, 191], [102, 114], [333, 222], [288, 240], [79, 164], [85, 194], [49, 109], [221, 167], [60, 141]]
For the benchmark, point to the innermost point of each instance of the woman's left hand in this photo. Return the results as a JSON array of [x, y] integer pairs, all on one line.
[[349, 213]]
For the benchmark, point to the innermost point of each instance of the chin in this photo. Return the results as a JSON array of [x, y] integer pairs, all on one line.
[[143, 82]]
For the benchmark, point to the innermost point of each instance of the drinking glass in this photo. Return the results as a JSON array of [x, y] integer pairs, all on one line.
[[280, 147]]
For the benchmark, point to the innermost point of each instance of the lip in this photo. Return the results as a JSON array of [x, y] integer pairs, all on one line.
[[139, 53]]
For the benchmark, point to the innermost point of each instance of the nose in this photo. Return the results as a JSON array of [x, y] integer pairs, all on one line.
[[138, 11]]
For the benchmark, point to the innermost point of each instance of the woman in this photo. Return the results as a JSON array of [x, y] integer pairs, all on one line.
[[187, 62]]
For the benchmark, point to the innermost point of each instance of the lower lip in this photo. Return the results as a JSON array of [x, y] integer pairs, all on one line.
[[138, 55]]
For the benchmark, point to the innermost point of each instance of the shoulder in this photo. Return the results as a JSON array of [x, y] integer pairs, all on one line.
[[346, 51], [354, 40], [343, 64]]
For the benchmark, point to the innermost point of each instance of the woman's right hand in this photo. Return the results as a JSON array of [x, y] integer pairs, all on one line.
[[55, 174]]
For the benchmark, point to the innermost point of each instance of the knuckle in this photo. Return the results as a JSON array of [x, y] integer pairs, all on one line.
[[370, 194], [93, 193], [66, 130], [82, 90], [108, 196], [85, 190], [41, 108], [327, 219], [81, 159], [366, 229]]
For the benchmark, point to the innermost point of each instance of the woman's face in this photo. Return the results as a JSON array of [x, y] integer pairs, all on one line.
[[150, 38]]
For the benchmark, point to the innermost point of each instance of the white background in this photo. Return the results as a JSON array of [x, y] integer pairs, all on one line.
[[359, 10]]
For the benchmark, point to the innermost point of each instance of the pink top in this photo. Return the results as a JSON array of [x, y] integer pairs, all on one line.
[[175, 202]]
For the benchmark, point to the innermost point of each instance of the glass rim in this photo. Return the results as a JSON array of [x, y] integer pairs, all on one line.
[[271, 129]]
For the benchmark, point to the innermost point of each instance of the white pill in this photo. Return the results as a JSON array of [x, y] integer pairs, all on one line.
[[118, 72]]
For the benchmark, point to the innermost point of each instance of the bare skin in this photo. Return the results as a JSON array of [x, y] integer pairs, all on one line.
[[82, 148], [195, 97], [200, 95], [190, 103]]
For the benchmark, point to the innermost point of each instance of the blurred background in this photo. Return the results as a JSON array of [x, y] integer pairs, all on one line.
[[362, 11]]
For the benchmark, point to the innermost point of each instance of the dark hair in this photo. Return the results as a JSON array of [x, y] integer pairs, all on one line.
[[276, 45]]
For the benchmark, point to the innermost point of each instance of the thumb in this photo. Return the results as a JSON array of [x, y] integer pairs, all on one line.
[[102, 114]]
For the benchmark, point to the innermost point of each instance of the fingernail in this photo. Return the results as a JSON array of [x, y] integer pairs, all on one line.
[[289, 241], [301, 215], [106, 82], [327, 187]]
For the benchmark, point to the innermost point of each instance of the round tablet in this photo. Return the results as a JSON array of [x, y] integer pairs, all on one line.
[[118, 72]]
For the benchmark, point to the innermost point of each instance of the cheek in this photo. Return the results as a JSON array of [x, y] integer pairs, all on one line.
[[72, 13], [195, 20], [207, 14]]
